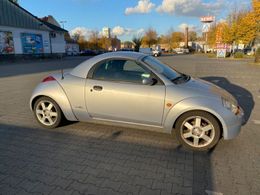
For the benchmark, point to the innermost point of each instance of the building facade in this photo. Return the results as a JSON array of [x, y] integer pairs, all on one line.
[[106, 32], [22, 33]]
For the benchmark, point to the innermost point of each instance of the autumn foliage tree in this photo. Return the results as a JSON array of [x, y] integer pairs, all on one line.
[[176, 38], [240, 27], [150, 37], [256, 10]]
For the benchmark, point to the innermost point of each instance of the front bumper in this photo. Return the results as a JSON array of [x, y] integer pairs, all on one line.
[[234, 125]]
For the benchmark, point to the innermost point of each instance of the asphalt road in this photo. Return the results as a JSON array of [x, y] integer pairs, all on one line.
[[83, 158]]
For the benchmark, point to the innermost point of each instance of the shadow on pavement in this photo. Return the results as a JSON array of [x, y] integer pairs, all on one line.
[[21, 67], [50, 160], [243, 96]]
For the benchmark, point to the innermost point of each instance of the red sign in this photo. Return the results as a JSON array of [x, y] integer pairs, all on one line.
[[207, 18], [223, 46]]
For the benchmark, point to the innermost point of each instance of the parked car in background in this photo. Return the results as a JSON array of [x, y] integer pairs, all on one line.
[[148, 51], [157, 51], [182, 51], [87, 53], [71, 52], [179, 51], [137, 90], [127, 49], [249, 51]]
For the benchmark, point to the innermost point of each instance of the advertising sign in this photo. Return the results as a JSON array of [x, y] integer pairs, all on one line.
[[6, 43], [221, 53], [223, 46], [206, 27], [32, 43], [207, 18], [241, 46]]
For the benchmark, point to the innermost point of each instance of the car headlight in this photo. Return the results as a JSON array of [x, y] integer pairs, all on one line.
[[231, 106]]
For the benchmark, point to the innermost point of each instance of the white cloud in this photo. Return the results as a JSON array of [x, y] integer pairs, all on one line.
[[81, 31], [140, 32], [143, 7], [193, 8], [121, 31], [118, 31], [184, 25]]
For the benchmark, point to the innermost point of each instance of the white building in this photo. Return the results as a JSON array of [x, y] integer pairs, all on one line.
[[106, 32], [21, 33]]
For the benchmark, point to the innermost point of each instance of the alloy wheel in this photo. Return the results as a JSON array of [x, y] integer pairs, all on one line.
[[46, 112], [197, 131]]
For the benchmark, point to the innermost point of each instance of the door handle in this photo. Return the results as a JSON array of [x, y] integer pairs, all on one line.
[[97, 88]]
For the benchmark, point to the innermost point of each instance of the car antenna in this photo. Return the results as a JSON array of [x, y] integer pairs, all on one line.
[[62, 73]]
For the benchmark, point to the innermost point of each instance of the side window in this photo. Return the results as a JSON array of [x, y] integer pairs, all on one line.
[[120, 70]]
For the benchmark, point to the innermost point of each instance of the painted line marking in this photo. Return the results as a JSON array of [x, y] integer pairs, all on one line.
[[257, 122], [213, 193]]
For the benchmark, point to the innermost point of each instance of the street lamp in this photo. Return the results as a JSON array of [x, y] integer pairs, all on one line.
[[62, 23]]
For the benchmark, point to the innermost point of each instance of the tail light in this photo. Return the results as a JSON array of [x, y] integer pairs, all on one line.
[[49, 78]]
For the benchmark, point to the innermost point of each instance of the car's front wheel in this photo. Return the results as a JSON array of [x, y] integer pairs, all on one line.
[[47, 112], [198, 130]]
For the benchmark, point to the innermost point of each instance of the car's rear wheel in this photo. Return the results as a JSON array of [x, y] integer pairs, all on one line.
[[47, 112], [198, 130]]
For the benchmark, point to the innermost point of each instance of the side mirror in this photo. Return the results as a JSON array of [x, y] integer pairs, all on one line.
[[149, 81]]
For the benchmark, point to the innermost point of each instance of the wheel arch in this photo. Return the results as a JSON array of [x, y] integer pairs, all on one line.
[[199, 110], [56, 93], [210, 105]]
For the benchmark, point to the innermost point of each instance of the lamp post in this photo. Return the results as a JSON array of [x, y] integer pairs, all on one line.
[[62, 23]]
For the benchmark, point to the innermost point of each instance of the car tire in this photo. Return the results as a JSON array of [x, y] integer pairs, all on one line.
[[48, 113], [198, 130]]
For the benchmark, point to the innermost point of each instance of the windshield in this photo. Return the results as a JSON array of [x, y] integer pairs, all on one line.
[[161, 68]]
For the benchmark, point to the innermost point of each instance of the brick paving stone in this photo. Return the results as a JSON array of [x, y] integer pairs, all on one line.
[[129, 189], [114, 185], [147, 191], [42, 188], [60, 191], [162, 186]]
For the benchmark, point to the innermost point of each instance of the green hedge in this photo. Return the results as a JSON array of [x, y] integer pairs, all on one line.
[[238, 55], [257, 55]]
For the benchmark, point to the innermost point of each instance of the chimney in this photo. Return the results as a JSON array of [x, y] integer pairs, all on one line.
[[186, 37]]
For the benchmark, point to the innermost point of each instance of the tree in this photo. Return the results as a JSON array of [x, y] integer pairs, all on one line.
[[247, 28], [256, 11], [104, 43], [94, 39], [137, 40], [212, 35], [150, 37], [192, 36], [176, 38], [166, 39]]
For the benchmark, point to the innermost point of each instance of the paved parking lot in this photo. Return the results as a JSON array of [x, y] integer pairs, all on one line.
[[83, 158]]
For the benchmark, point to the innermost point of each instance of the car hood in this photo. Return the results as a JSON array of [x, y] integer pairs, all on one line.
[[206, 88]]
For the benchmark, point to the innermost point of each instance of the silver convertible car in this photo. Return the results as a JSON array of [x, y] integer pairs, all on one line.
[[137, 90]]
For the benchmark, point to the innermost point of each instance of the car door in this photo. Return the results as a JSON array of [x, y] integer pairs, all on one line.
[[114, 91]]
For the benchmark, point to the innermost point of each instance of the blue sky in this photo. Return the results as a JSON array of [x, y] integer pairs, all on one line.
[[127, 17]]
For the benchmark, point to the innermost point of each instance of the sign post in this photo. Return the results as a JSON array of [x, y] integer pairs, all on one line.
[[206, 24]]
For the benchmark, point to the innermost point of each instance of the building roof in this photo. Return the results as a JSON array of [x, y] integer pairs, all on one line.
[[54, 27], [51, 20], [11, 14]]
